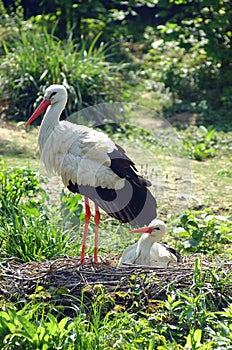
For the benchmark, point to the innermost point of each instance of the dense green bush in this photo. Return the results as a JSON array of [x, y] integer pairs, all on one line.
[[189, 76]]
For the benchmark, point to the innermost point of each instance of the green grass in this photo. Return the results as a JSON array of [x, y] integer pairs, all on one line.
[[197, 231], [37, 59]]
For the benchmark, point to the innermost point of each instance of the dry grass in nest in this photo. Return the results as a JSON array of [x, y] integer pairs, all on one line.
[[65, 281]]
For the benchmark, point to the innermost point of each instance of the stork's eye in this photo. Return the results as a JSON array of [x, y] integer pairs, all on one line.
[[53, 94], [157, 228]]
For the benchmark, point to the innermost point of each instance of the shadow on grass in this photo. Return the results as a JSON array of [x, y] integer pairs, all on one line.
[[10, 149], [182, 115]]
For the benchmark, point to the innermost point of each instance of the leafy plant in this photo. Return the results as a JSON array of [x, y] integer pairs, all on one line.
[[206, 233], [200, 143], [17, 186], [71, 209], [28, 329], [18, 330]]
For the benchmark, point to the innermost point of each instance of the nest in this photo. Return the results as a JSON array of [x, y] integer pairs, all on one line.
[[67, 282]]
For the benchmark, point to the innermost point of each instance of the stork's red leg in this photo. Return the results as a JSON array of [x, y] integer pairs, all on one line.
[[87, 219], [97, 223]]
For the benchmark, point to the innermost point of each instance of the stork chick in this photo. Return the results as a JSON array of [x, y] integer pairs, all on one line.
[[147, 251]]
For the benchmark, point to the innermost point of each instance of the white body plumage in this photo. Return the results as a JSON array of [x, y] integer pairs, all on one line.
[[79, 154]]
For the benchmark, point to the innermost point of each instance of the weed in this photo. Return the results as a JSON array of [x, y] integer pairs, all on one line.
[[200, 143], [206, 233]]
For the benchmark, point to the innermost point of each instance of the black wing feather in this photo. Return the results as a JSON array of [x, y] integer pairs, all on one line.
[[124, 167], [134, 203]]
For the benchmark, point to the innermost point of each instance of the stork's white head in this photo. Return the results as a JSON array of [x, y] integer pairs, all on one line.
[[156, 228], [56, 93]]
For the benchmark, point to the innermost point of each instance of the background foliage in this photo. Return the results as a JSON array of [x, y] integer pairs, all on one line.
[[186, 46]]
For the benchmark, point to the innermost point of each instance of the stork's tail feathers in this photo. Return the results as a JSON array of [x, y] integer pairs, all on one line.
[[133, 203]]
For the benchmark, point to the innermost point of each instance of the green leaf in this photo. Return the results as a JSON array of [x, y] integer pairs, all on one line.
[[197, 337], [193, 223]]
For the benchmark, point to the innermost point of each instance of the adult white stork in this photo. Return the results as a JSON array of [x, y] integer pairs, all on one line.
[[147, 251], [91, 164]]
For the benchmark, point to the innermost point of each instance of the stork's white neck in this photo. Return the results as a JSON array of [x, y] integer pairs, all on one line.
[[49, 122], [148, 238], [144, 244]]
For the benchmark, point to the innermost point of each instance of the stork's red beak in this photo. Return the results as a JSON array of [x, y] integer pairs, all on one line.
[[39, 110], [143, 230]]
